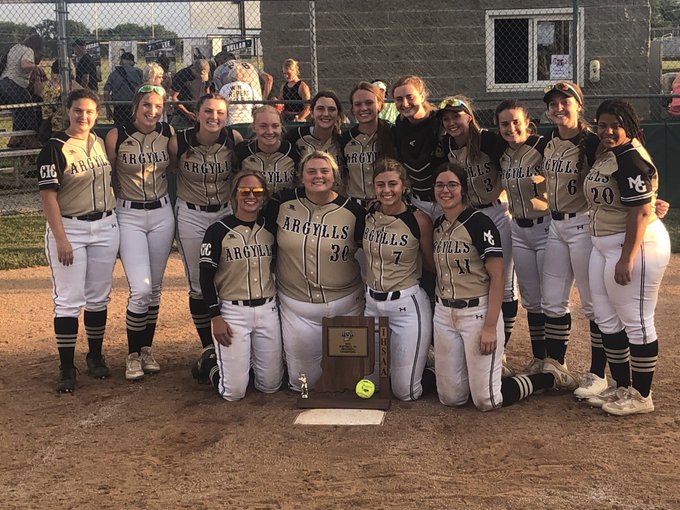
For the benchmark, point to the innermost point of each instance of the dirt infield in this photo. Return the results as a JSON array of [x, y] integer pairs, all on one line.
[[168, 443]]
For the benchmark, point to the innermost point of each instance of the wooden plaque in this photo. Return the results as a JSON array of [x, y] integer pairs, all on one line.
[[349, 355]]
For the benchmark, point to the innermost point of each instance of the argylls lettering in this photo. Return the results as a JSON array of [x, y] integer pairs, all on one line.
[[449, 246], [522, 172], [355, 158], [559, 166], [208, 167], [383, 237], [315, 229], [144, 158], [247, 252], [88, 164]]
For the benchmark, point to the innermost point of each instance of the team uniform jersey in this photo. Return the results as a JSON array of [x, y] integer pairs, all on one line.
[[563, 180], [279, 168], [204, 172], [317, 244], [303, 139], [460, 249], [483, 177], [522, 178], [416, 145], [238, 257], [359, 153], [236, 70], [620, 178], [79, 171], [142, 163], [392, 247]]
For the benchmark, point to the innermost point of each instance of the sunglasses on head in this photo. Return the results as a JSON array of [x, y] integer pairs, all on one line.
[[561, 86], [451, 102], [246, 191], [145, 89]]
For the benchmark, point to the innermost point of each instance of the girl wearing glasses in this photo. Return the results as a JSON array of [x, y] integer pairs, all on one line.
[[468, 331], [416, 133], [317, 273], [276, 159], [473, 148], [363, 144], [237, 282], [398, 242], [631, 250], [139, 154], [205, 162]]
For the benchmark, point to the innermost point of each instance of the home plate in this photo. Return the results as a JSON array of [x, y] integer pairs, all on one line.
[[340, 417]]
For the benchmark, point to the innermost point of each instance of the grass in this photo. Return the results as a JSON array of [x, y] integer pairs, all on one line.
[[22, 242]]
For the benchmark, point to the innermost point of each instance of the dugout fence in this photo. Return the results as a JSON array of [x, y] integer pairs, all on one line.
[[489, 51]]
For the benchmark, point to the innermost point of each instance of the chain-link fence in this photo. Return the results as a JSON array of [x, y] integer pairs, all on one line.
[[486, 50]]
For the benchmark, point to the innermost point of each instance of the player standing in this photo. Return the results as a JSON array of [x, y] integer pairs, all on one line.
[[294, 89], [467, 325], [139, 154], [631, 250], [317, 274], [81, 239], [237, 282], [397, 241], [275, 158], [205, 161]]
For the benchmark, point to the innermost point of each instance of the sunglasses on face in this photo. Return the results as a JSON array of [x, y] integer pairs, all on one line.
[[145, 89], [246, 191], [451, 186], [450, 102]]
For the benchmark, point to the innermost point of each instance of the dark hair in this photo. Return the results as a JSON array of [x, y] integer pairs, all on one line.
[[35, 42], [459, 172], [474, 144], [391, 165], [331, 95], [76, 95], [626, 114], [385, 147], [164, 62], [242, 175], [513, 104], [203, 99]]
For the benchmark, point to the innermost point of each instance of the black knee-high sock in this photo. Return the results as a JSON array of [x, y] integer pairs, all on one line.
[[136, 330], [509, 309], [199, 313], [66, 333], [618, 356], [151, 320], [95, 325], [537, 333], [557, 330], [210, 367], [643, 362], [520, 387], [598, 358]]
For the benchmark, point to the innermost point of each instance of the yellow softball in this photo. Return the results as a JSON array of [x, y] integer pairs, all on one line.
[[365, 388]]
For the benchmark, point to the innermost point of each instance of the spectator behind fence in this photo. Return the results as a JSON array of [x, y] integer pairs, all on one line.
[[54, 116], [238, 88], [19, 64], [188, 85], [294, 89], [86, 68], [122, 85], [674, 108], [154, 74]]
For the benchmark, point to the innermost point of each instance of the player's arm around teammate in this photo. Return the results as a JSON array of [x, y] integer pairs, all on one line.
[[275, 158], [317, 275], [397, 241], [474, 148], [236, 272], [139, 154], [468, 330], [205, 162], [631, 250], [521, 167], [81, 239]]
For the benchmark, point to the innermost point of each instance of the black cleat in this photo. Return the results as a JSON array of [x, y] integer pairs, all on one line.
[[96, 366], [200, 370], [67, 379]]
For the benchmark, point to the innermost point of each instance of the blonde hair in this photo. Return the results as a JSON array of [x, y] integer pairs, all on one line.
[[292, 64], [266, 109], [153, 71], [328, 158], [417, 83]]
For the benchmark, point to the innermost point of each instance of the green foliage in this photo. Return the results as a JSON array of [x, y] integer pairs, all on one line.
[[21, 241], [665, 13], [672, 222], [12, 33]]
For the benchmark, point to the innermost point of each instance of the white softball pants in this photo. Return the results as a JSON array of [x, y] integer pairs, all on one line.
[[145, 243], [501, 217], [257, 337], [462, 369], [86, 282], [302, 332], [528, 245], [630, 307]]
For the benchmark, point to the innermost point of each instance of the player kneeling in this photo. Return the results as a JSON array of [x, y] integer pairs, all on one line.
[[469, 293], [238, 287]]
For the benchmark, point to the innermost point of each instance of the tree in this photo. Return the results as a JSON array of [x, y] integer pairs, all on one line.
[[12, 33], [47, 28], [665, 13]]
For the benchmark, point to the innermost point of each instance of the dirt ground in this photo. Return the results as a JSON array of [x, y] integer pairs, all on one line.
[[167, 442]]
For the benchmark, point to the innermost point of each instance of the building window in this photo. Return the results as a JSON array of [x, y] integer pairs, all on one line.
[[527, 49]]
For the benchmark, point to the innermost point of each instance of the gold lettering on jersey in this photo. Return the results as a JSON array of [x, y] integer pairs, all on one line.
[[207, 167], [247, 252], [559, 166], [450, 246], [356, 158], [144, 158], [383, 237], [315, 229], [522, 172], [89, 164]]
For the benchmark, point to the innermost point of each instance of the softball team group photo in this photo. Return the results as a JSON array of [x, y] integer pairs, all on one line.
[[419, 215]]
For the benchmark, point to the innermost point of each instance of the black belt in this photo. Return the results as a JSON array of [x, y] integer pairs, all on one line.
[[147, 206], [384, 296], [91, 217], [458, 303], [484, 206], [524, 223], [562, 216], [205, 208], [252, 302]]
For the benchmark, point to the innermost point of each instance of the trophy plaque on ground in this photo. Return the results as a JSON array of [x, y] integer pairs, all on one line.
[[349, 355]]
